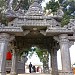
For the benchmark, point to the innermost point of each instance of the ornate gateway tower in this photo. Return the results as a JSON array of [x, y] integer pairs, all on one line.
[[36, 28]]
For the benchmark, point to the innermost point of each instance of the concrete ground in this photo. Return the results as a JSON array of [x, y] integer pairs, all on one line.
[[32, 74]]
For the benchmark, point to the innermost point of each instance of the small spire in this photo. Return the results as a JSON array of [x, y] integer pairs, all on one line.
[[35, 9], [36, 0], [9, 4]]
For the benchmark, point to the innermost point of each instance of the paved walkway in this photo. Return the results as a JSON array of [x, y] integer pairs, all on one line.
[[35, 74], [32, 74]]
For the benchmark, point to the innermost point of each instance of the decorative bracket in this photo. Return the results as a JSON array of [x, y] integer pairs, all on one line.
[[43, 32], [26, 32], [71, 43], [12, 37], [56, 38]]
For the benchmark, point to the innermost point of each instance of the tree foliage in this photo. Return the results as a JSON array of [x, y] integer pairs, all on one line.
[[22, 4], [15, 5], [68, 9], [2, 3], [52, 5], [42, 53]]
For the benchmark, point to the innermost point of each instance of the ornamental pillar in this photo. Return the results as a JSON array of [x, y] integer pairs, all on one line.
[[65, 55], [24, 59], [4, 39], [54, 62], [14, 63]]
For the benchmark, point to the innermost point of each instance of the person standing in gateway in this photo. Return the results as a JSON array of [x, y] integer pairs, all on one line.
[[30, 67]]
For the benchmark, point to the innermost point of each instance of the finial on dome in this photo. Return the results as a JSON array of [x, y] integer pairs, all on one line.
[[39, 1], [36, 0], [35, 9]]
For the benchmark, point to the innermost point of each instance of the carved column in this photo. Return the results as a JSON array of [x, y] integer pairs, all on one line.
[[14, 63], [24, 59], [65, 55], [4, 39], [45, 62], [54, 62]]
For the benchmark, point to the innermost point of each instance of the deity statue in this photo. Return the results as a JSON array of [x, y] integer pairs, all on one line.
[[60, 11]]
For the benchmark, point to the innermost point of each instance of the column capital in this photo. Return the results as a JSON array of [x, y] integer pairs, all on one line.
[[12, 37], [63, 38], [4, 37]]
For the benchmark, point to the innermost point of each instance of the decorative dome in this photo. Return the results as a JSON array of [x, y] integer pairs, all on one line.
[[35, 9]]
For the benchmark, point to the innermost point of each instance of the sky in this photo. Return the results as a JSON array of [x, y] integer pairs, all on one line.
[[44, 3], [36, 60]]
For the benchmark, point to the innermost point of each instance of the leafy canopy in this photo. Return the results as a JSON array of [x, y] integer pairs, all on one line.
[[68, 9], [40, 52]]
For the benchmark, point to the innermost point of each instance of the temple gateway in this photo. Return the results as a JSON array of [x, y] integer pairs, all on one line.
[[36, 28]]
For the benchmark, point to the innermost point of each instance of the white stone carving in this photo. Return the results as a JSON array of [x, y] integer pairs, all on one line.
[[11, 29], [60, 12], [12, 37], [35, 9], [71, 24], [71, 43], [26, 32], [43, 32], [4, 37], [56, 38]]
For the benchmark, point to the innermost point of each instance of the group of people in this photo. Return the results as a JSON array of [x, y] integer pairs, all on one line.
[[32, 68]]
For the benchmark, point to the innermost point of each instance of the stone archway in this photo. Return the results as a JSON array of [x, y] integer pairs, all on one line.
[[44, 42]]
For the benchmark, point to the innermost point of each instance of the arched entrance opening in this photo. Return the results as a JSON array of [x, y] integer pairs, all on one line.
[[39, 59], [44, 43]]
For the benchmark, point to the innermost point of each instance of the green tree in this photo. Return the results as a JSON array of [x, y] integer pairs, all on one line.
[[2, 4], [53, 5], [68, 9], [15, 4]]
